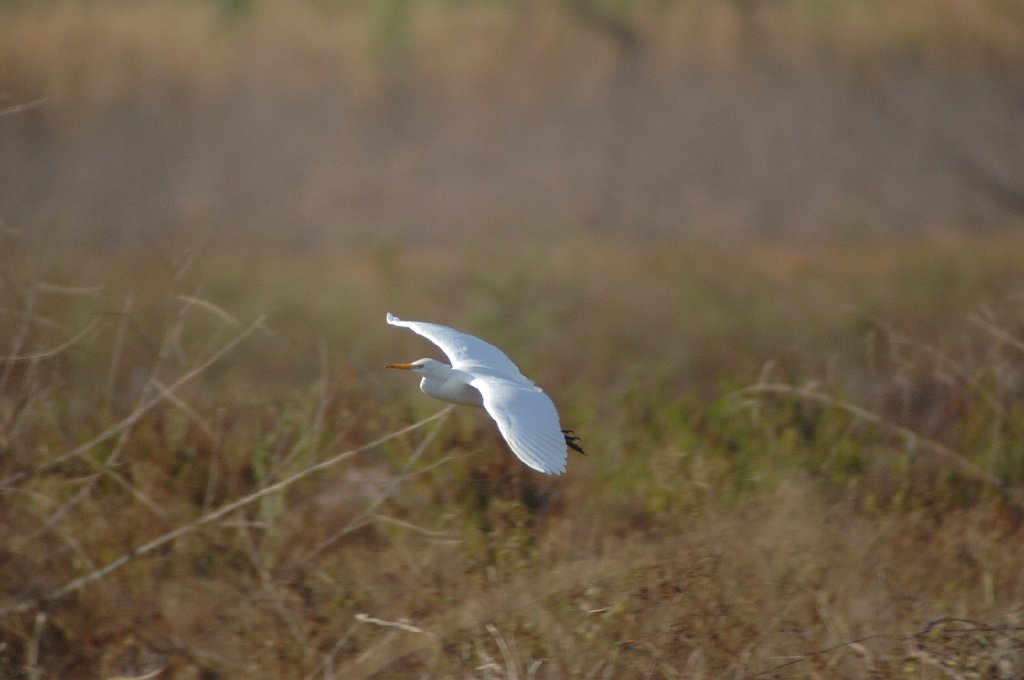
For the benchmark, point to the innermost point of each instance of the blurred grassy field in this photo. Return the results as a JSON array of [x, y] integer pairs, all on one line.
[[350, 123], [802, 462]]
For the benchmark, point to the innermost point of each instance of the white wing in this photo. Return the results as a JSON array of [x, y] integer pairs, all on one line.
[[528, 421], [465, 352]]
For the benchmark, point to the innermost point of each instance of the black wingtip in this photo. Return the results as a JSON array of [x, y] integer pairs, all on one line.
[[573, 442]]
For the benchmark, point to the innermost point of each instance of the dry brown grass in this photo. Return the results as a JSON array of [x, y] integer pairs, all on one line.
[[190, 485]]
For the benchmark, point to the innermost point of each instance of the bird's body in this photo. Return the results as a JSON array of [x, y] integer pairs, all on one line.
[[482, 375], [443, 382]]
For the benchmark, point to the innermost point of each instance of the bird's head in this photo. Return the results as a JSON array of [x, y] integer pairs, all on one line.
[[428, 368]]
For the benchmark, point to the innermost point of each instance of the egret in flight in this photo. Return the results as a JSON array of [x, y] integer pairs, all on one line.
[[482, 375]]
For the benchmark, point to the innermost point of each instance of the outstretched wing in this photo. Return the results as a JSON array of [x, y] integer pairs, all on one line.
[[527, 420], [465, 352]]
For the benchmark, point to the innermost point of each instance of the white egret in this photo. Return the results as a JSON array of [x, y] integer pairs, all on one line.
[[482, 375]]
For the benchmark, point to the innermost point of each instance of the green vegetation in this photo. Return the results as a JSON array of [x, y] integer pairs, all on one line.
[[802, 462]]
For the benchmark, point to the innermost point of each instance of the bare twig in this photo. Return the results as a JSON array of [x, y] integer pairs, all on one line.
[[269, 588], [151, 675], [21, 108], [21, 337], [32, 660], [208, 306], [942, 360], [215, 454], [115, 355], [387, 519], [938, 449], [400, 624], [310, 438], [327, 665], [820, 652], [366, 515], [48, 287], [999, 333], [97, 574], [366, 518], [107, 469], [189, 411], [975, 626], [134, 416]]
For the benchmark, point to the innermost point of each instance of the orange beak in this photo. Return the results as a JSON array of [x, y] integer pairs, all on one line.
[[404, 367]]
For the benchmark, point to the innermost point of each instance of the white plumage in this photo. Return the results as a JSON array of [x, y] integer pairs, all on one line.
[[482, 375]]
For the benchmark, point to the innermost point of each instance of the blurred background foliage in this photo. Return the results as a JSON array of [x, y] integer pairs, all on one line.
[[341, 123]]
